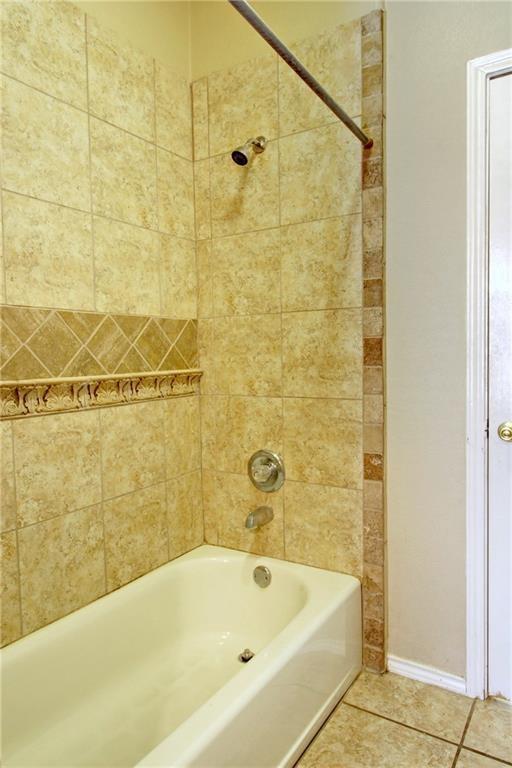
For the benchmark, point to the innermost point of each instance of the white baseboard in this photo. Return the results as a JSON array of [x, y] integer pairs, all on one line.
[[425, 674]]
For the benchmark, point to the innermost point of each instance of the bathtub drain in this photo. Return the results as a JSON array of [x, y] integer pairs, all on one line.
[[245, 656]]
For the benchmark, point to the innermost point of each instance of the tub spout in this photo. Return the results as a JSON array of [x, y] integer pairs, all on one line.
[[260, 516]]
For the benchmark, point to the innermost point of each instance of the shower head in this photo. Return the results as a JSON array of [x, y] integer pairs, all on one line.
[[242, 154]]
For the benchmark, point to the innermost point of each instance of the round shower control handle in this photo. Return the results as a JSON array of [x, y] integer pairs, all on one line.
[[263, 472], [505, 431], [266, 471]]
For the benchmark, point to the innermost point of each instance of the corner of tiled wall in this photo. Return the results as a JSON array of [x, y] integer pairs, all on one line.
[[374, 624], [98, 280]]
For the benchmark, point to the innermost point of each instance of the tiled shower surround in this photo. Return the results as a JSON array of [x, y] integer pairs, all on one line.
[[290, 265], [288, 304], [98, 279]]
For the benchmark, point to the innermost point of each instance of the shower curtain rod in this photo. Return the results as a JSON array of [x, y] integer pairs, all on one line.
[[243, 8]]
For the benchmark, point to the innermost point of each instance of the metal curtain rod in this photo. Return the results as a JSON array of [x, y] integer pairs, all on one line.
[[243, 8]]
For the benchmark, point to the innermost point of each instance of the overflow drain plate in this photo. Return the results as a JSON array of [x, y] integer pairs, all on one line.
[[245, 656]]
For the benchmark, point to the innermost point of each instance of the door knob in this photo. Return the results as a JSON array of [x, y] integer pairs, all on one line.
[[505, 431]]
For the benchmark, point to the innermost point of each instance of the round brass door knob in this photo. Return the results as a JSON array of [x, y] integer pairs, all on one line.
[[505, 431]]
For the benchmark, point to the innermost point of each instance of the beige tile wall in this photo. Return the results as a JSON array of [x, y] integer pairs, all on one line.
[[98, 186], [290, 294], [98, 276], [280, 303], [93, 500], [374, 530]]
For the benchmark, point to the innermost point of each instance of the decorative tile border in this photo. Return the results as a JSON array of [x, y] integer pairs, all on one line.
[[40, 343], [373, 345], [19, 399]]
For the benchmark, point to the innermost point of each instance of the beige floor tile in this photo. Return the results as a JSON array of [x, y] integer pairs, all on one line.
[[421, 706], [469, 759], [356, 739], [490, 729]]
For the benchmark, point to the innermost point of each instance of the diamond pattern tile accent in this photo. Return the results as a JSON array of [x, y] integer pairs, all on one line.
[[43, 343], [153, 344], [54, 344], [109, 344], [83, 324]]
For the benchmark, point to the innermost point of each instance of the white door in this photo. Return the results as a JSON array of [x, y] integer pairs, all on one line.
[[500, 388]]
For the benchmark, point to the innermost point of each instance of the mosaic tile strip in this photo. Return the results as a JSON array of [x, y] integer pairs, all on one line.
[[34, 398], [50, 343], [374, 634]]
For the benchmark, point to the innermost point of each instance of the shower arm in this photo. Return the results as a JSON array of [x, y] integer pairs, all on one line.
[[250, 15]]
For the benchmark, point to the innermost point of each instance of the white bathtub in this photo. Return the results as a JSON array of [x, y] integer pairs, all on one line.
[[150, 676]]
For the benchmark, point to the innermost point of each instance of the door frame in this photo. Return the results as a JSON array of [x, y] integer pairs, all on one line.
[[479, 73]]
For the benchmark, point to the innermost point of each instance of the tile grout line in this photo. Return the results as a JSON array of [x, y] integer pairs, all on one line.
[[166, 483], [241, 233], [498, 760], [157, 193], [278, 99], [107, 498], [403, 725], [464, 732], [99, 216], [16, 528], [290, 480], [93, 114], [102, 493], [93, 251], [4, 252], [209, 302]]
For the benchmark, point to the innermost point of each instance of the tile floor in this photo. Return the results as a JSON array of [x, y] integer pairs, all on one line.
[[389, 721]]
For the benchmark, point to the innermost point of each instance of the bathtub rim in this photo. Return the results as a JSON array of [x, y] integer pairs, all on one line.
[[325, 593], [229, 699]]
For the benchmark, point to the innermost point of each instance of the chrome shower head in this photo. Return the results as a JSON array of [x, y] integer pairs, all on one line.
[[242, 154]]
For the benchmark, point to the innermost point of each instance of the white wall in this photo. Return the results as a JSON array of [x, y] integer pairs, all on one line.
[[428, 45]]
